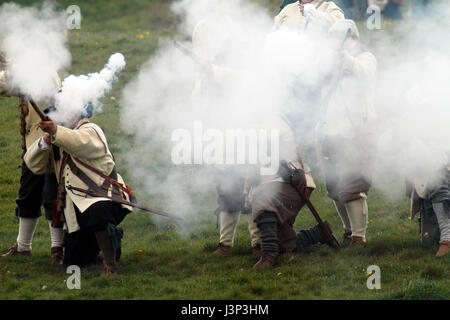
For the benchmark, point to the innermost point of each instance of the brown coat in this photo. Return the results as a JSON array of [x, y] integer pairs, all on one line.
[[282, 199]]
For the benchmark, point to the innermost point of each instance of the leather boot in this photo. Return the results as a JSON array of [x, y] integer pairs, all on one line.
[[346, 238], [109, 254], [13, 251], [356, 241], [57, 255], [266, 261], [444, 248], [256, 250], [222, 249]]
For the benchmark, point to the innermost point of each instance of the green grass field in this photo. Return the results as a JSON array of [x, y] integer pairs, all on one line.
[[160, 263]]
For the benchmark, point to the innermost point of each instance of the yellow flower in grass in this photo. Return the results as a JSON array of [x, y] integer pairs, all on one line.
[[147, 33], [140, 36], [279, 274], [140, 250]]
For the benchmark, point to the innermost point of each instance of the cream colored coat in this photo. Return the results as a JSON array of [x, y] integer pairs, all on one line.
[[291, 17], [33, 132], [87, 143], [349, 99]]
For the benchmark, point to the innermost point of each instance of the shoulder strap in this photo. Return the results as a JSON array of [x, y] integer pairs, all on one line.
[[111, 180]]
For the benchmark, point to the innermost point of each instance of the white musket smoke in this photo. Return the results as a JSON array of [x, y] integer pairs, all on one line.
[[79, 93], [258, 71], [34, 39]]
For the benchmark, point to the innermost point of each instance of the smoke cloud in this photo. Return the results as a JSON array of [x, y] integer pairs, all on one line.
[[79, 93], [238, 73], [34, 39]]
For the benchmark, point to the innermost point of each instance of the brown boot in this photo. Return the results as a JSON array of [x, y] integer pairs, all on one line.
[[346, 238], [356, 241], [266, 261], [222, 249], [444, 248], [109, 254], [13, 251], [256, 250], [57, 255]]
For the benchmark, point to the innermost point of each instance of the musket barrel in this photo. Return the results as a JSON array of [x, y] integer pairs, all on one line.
[[38, 111]]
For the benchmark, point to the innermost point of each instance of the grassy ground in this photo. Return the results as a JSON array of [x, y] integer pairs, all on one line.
[[159, 263]]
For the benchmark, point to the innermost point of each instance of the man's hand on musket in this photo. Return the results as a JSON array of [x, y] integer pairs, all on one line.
[[48, 126]]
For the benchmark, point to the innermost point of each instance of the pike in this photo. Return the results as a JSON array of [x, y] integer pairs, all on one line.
[[92, 193], [324, 226]]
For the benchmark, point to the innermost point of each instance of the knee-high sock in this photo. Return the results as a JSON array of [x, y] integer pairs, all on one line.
[[56, 235], [342, 211], [268, 227], [228, 225], [254, 232], [441, 210], [358, 214], [27, 226]]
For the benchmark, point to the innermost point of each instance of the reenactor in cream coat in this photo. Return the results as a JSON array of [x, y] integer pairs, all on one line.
[[276, 202], [35, 190], [304, 14], [89, 186], [345, 134]]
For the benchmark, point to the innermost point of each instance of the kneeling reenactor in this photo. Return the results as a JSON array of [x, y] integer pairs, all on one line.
[[89, 185], [277, 201], [431, 198]]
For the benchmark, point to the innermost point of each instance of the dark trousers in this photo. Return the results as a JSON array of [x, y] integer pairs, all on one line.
[[35, 191], [81, 247]]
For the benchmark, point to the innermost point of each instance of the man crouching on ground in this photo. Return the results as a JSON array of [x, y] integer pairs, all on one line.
[[89, 186]]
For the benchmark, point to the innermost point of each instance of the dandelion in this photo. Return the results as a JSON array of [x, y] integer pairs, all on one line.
[[279, 274], [140, 36], [147, 33]]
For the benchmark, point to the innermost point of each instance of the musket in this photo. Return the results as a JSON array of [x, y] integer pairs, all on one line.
[[38, 111], [317, 7], [324, 226], [191, 54], [92, 193]]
